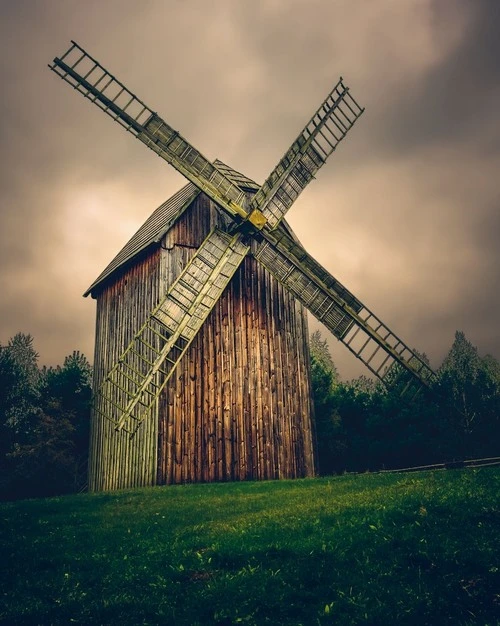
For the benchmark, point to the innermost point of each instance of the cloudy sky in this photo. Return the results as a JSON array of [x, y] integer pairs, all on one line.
[[406, 213]]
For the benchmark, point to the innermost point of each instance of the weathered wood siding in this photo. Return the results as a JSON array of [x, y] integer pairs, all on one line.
[[115, 461], [239, 404]]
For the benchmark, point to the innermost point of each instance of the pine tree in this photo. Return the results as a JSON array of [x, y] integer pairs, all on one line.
[[19, 385], [472, 387], [320, 353]]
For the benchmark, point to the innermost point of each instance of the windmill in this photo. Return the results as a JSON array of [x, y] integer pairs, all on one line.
[[133, 385]]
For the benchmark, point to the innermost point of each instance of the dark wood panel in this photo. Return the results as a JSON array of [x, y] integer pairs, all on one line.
[[239, 404]]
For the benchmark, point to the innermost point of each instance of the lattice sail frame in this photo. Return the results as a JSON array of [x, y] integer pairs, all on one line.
[[94, 82], [347, 318], [321, 136], [132, 387]]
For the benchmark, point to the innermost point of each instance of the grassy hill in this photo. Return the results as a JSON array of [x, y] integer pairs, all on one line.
[[372, 549]]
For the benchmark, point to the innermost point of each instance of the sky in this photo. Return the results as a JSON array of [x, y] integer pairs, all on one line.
[[406, 213]]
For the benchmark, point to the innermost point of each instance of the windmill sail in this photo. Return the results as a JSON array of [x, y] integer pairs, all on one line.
[[133, 385], [322, 134], [130, 390], [364, 334], [94, 82]]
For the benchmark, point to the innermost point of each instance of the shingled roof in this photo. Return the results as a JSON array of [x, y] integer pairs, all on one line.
[[162, 219]]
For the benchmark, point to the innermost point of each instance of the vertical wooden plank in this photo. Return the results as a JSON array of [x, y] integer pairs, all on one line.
[[252, 417], [212, 410], [227, 372], [238, 442], [197, 412], [263, 374], [219, 373]]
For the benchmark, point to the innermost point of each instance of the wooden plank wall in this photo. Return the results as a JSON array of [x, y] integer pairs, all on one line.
[[239, 404], [115, 461]]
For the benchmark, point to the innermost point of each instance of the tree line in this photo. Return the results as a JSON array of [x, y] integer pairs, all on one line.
[[44, 422], [360, 426]]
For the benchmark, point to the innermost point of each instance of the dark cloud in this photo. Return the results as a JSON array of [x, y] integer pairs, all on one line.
[[457, 99], [406, 214]]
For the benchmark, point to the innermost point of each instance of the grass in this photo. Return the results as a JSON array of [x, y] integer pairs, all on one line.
[[372, 549]]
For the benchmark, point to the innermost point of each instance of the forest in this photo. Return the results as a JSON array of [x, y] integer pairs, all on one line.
[[360, 426]]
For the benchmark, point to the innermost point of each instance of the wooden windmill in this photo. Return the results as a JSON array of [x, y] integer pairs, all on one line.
[[244, 221]]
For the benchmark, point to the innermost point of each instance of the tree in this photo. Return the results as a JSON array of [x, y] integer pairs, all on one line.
[[487, 433], [471, 385], [45, 465], [19, 400], [45, 422], [324, 378], [19, 385], [353, 402], [459, 375], [384, 431], [362, 425], [67, 392], [402, 433], [71, 387], [320, 354]]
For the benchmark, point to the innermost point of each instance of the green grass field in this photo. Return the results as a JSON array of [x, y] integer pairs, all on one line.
[[372, 549]]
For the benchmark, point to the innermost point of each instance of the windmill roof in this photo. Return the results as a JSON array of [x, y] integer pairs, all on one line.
[[162, 219], [237, 177]]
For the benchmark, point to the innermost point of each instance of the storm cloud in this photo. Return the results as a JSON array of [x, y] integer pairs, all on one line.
[[406, 213]]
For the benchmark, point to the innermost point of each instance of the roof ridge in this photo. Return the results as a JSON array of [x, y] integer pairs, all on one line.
[[241, 179], [164, 217]]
